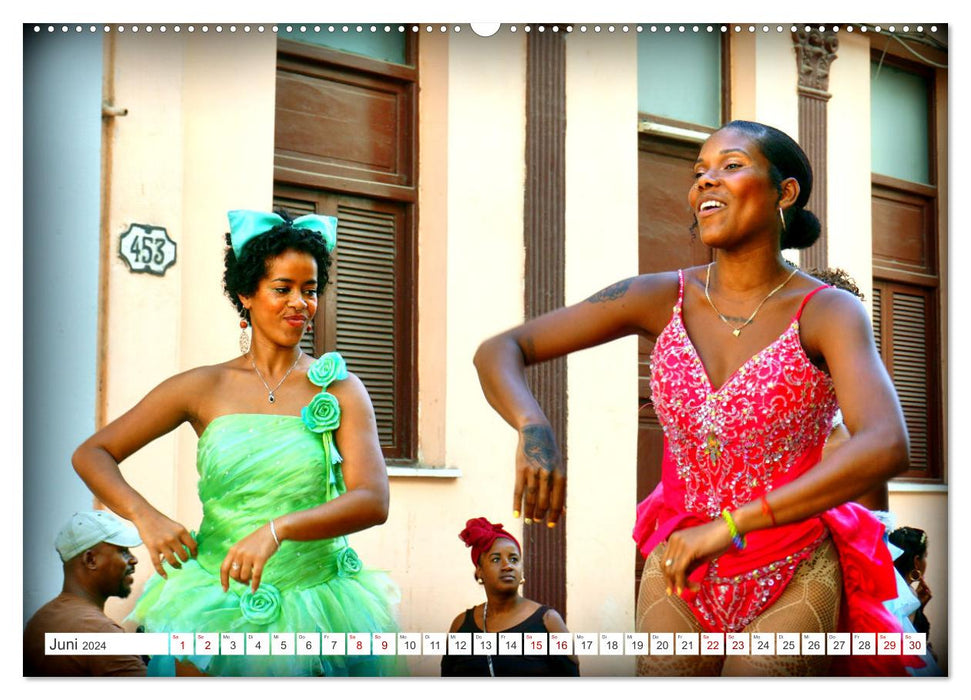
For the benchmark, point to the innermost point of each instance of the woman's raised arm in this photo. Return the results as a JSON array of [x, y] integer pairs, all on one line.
[[636, 305]]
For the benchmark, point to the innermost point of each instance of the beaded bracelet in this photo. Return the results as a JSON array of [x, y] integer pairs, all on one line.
[[737, 539]]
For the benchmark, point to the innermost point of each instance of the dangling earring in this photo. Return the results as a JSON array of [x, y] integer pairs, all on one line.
[[782, 218], [481, 582], [914, 575], [243, 337], [522, 581]]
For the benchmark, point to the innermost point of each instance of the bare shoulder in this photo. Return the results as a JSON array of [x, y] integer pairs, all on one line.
[[553, 621], [831, 308], [199, 381], [350, 391], [207, 376], [834, 320]]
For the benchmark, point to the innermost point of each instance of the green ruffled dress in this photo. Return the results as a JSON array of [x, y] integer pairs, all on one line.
[[253, 468]]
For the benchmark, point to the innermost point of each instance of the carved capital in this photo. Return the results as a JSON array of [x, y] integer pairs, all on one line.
[[815, 50]]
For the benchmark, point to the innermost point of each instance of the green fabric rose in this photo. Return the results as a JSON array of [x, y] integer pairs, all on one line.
[[261, 607], [323, 413], [328, 368], [348, 563]]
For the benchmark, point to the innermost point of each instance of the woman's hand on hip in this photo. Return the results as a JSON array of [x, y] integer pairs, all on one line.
[[166, 540], [686, 549], [246, 559]]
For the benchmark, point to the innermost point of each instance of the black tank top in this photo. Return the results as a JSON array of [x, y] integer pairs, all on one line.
[[508, 665]]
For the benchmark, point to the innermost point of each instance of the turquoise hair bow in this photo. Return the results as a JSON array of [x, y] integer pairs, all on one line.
[[244, 225]]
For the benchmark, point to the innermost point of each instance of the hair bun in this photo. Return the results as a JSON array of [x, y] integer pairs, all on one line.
[[802, 229]]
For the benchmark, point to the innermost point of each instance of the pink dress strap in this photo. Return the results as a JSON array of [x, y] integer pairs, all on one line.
[[680, 288], [808, 297]]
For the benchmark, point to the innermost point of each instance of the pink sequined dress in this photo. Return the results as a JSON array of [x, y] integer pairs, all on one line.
[[725, 447]]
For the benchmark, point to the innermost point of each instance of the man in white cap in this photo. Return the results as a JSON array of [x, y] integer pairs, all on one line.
[[94, 547]]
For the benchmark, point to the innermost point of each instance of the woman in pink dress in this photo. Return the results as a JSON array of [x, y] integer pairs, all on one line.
[[749, 530]]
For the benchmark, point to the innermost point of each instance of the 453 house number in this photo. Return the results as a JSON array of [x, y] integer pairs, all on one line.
[[147, 249]]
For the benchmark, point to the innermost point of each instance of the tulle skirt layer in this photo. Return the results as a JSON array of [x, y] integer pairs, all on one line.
[[192, 601]]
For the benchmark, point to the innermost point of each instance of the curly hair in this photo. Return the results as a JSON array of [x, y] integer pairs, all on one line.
[[786, 159], [242, 275], [837, 277]]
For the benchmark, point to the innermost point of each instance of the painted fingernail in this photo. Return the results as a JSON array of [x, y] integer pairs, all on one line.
[[527, 521], [515, 514], [668, 589], [551, 525], [679, 591]]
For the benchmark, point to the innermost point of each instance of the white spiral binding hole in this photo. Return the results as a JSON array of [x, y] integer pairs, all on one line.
[[483, 30]]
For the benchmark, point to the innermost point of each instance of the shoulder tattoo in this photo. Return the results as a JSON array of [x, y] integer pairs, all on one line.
[[614, 291]]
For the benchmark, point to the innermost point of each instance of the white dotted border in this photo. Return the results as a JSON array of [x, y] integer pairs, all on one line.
[[429, 28]]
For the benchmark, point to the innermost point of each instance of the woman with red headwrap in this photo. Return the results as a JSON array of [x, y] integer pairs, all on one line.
[[498, 562]]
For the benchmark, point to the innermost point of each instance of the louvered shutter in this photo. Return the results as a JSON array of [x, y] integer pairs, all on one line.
[[904, 334], [366, 310], [345, 146]]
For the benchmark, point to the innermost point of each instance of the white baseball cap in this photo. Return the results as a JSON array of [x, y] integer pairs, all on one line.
[[86, 529]]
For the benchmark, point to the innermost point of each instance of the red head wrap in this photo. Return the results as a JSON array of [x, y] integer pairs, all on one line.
[[479, 534]]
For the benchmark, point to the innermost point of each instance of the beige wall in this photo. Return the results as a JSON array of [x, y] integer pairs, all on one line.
[[601, 248], [185, 154], [137, 306], [763, 79], [471, 231], [848, 151]]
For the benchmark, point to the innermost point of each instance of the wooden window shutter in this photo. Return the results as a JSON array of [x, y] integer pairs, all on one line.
[[370, 317], [906, 339], [878, 318], [345, 145], [365, 311]]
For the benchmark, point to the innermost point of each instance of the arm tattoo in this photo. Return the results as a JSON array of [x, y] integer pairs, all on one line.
[[614, 291], [539, 446]]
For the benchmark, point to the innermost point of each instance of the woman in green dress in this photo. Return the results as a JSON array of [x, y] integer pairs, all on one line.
[[289, 464]]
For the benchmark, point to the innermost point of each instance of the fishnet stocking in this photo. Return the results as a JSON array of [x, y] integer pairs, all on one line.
[[810, 603], [659, 612]]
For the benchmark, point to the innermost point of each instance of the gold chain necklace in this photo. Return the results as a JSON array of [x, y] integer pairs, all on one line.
[[737, 330]]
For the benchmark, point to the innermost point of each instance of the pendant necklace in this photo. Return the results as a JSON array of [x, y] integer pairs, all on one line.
[[259, 374], [737, 330]]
